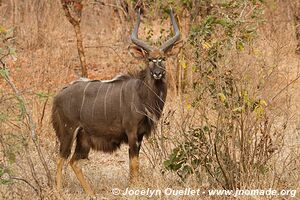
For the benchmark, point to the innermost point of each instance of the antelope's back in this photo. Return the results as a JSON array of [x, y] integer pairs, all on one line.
[[98, 106]]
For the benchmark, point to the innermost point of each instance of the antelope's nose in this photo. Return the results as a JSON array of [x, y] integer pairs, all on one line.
[[157, 75]]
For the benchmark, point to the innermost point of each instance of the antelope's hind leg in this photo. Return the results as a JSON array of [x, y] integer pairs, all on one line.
[[66, 141], [81, 152]]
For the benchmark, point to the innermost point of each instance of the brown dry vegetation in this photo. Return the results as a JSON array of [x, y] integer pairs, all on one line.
[[47, 60]]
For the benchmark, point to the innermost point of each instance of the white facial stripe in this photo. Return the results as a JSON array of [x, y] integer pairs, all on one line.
[[155, 60]]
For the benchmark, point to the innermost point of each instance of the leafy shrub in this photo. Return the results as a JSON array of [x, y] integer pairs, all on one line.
[[236, 136]]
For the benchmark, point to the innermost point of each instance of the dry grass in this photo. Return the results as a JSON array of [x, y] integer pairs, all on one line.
[[47, 63]]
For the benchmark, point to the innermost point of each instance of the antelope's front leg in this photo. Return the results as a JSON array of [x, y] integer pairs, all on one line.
[[60, 163], [134, 148]]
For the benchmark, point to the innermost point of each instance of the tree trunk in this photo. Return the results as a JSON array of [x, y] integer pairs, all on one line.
[[76, 24]]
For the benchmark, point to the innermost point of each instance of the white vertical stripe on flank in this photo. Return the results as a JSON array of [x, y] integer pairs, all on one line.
[[105, 101], [93, 109], [83, 98]]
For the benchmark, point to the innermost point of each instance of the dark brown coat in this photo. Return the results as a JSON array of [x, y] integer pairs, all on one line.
[[104, 111]]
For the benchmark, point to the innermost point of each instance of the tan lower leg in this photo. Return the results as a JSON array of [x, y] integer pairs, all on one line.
[[134, 168], [60, 164], [78, 172]]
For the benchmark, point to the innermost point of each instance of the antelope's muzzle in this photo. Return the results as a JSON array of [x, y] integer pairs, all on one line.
[[157, 75]]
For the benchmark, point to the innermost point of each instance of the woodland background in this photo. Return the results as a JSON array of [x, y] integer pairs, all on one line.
[[232, 113]]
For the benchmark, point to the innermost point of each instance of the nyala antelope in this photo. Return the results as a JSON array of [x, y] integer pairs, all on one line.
[[104, 114]]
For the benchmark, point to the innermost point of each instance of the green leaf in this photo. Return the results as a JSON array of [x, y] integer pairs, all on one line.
[[223, 22], [238, 109], [195, 68], [167, 164], [11, 156], [3, 117], [176, 167], [259, 107], [2, 30], [22, 108], [1, 171], [43, 95], [222, 97], [240, 45], [4, 181], [4, 72], [9, 32], [12, 51]]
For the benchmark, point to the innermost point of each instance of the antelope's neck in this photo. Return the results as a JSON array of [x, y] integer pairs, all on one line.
[[155, 93]]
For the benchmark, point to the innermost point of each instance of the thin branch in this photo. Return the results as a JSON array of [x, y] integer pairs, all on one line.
[[32, 129], [2, 57], [43, 114], [25, 181], [285, 87], [208, 170], [228, 186], [111, 5], [71, 19]]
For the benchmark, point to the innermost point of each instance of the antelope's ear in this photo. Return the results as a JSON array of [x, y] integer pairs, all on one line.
[[137, 52], [175, 49]]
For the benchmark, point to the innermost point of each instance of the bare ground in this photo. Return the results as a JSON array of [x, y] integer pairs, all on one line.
[[54, 65]]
